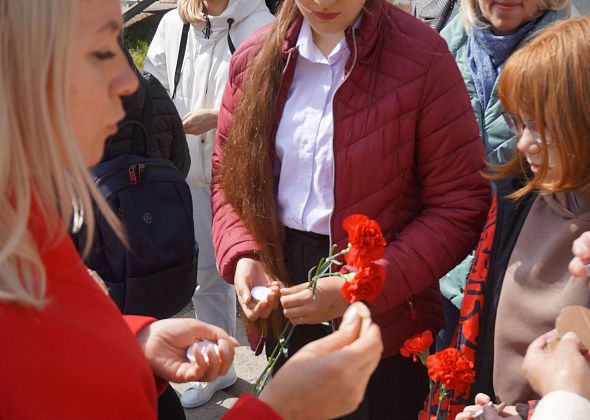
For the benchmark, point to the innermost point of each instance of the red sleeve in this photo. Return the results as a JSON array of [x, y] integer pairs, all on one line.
[[449, 158], [137, 323], [250, 407], [231, 239]]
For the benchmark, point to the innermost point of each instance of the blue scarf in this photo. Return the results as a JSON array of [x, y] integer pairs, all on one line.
[[486, 54]]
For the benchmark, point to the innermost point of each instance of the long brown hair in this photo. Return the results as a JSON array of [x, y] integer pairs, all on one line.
[[247, 175], [548, 80]]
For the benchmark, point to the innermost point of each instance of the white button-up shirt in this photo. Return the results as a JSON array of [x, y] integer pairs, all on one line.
[[304, 137]]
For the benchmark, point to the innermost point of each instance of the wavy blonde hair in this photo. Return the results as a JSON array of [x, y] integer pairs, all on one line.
[[472, 13], [191, 11], [41, 165]]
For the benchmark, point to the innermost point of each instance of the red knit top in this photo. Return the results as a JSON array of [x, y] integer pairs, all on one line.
[[77, 357]]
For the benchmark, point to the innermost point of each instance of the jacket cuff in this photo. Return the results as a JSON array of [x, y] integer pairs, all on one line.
[[250, 407], [228, 270], [137, 323]]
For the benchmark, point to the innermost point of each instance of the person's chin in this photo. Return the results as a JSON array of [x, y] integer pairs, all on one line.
[[110, 130]]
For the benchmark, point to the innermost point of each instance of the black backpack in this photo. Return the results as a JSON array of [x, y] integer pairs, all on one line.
[[156, 275]]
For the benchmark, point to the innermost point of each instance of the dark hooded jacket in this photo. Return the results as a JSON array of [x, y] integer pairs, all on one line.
[[167, 139]]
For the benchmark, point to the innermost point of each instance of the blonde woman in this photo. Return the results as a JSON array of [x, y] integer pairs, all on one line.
[[196, 81], [61, 75], [482, 37]]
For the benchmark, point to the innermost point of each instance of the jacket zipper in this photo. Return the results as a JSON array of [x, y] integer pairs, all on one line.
[[288, 60], [334, 154]]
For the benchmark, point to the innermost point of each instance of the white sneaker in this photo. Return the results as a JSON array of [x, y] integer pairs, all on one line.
[[200, 393]]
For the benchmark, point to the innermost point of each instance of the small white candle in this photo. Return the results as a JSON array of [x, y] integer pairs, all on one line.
[[259, 293], [202, 346]]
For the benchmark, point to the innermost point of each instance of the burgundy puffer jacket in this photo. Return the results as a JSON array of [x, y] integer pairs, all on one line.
[[407, 153]]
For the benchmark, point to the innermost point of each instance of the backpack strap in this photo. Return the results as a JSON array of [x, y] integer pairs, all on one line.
[[180, 59], [230, 43], [146, 117], [141, 123]]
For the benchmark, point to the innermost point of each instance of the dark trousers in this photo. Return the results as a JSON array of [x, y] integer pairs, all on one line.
[[396, 391], [398, 387], [169, 407], [303, 250]]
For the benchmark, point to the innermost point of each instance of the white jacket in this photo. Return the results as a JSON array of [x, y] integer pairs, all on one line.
[[205, 68]]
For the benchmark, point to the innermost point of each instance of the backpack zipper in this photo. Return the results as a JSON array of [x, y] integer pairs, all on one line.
[[102, 178], [131, 175]]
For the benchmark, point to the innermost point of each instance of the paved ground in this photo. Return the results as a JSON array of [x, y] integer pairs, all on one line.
[[247, 366]]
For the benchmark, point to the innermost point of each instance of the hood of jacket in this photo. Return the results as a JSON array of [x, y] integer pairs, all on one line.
[[236, 12], [133, 104]]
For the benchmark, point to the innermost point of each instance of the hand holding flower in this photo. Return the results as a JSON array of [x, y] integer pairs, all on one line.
[[315, 374], [318, 301], [301, 307]]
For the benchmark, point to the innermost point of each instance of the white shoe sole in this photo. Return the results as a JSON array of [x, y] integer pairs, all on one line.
[[223, 383]]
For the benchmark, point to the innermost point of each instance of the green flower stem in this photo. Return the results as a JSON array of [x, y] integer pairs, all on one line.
[[323, 269], [279, 350], [430, 393], [443, 394]]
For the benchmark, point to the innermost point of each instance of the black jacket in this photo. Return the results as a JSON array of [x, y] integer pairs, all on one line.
[[167, 139]]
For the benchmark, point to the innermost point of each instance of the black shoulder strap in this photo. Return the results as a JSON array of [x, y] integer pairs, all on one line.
[[147, 117], [143, 124], [180, 58], [232, 48]]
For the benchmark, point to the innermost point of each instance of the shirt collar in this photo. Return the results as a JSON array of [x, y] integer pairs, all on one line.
[[309, 51]]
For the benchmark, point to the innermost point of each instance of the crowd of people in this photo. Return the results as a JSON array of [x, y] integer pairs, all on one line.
[[470, 148]]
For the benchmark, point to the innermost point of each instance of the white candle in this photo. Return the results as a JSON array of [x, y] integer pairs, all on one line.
[[202, 346], [259, 293]]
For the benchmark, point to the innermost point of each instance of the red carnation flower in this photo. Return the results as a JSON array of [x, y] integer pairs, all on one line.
[[417, 345], [368, 243], [366, 284], [452, 369]]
